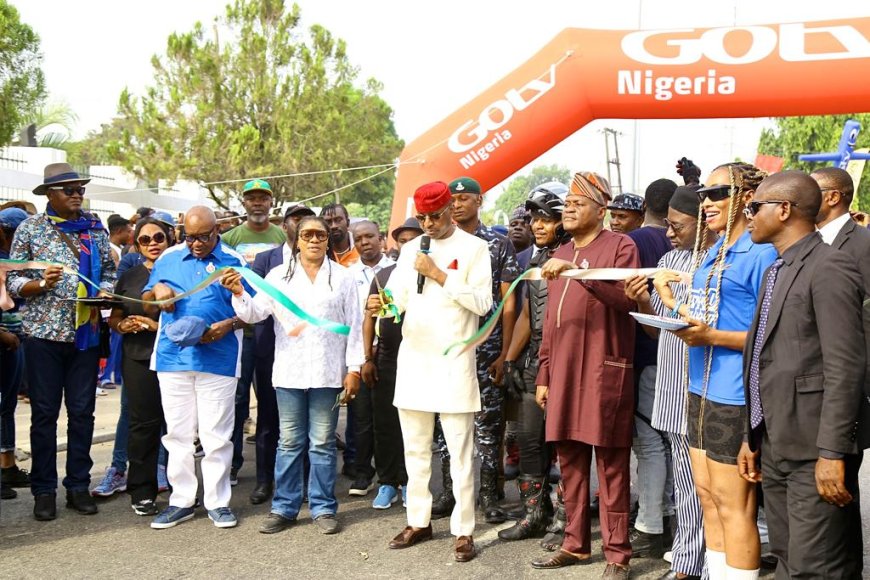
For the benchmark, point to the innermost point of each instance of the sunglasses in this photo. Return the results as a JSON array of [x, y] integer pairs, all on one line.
[[715, 194], [674, 226], [145, 239], [753, 207], [308, 235], [421, 217], [201, 238], [70, 190]]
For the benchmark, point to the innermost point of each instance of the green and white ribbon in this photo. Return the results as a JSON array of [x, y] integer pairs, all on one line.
[[249, 275], [535, 274]]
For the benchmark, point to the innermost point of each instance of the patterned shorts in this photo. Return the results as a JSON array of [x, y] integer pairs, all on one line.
[[721, 433]]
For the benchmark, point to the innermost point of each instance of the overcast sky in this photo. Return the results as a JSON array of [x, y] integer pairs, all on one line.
[[432, 57]]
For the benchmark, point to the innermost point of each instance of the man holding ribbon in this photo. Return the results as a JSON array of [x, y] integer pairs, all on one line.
[[197, 357], [585, 378], [440, 308], [62, 355]]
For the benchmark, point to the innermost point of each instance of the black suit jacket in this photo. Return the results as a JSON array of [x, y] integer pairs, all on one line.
[[812, 360], [264, 331], [855, 241]]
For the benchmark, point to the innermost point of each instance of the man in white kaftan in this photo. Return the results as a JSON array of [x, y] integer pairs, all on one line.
[[456, 292]]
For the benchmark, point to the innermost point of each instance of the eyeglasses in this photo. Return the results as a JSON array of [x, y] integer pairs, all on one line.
[[715, 194], [753, 207], [421, 217], [674, 226], [201, 238], [70, 190], [145, 239], [309, 235]]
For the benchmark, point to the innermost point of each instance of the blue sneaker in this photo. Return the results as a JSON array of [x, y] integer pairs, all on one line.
[[171, 516], [387, 496], [223, 517], [404, 496], [113, 482]]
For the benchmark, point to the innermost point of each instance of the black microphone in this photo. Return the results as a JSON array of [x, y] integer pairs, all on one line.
[[424, 247]]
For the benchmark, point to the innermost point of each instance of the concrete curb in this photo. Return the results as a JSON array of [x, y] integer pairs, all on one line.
[[62, 441]]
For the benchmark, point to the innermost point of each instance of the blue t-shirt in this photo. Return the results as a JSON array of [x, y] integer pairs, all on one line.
[[745, 264], [181, 271]]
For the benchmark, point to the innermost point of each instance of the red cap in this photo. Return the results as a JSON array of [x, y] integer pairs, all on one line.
[[432, 197]]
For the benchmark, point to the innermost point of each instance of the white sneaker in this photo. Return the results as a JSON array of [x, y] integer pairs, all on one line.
[[101, 392]]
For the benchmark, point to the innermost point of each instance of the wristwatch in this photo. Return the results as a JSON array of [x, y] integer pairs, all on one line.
[[43, 285]]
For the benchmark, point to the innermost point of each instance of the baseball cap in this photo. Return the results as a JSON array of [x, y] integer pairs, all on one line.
[[257, 185], [186, 331], [298, 209], [12, 217], [627, 201]]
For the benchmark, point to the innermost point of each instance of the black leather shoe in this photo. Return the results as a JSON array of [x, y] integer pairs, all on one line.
[[82, 502], [45, 507], [7, 492], [262, 493]]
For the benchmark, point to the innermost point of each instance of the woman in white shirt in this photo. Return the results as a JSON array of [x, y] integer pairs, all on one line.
[[309, 372]]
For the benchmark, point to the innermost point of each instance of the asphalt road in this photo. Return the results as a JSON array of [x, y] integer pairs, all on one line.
[[118, 544]]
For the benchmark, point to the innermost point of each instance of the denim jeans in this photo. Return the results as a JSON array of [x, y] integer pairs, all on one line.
[[122, 435], [655, 478], [12, 365], [306, 416], [57, 372], [243, 400]]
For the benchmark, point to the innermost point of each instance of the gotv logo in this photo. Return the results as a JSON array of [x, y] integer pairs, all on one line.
[[497, 114], [790, 38]]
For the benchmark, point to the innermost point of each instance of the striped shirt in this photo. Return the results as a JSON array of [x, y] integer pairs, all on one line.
[[669, 407]]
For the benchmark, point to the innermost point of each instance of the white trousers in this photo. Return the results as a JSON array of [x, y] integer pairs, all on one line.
[[202, 403], [418, 428]]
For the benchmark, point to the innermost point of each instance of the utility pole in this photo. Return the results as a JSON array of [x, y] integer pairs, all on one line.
[[611, 134]]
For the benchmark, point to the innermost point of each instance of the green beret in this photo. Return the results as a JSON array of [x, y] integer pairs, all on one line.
[[257, 185], [464, 185]]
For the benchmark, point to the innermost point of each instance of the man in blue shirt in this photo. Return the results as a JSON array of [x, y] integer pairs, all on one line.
[[197, 358]]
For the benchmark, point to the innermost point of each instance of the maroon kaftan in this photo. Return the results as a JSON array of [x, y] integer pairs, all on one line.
[[587, 348]]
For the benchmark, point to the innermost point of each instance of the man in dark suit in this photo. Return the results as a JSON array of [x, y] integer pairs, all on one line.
[[804, 365], [264, 339], [840, 231]]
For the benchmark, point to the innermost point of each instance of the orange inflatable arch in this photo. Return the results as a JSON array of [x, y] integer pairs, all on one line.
[[799, 68]]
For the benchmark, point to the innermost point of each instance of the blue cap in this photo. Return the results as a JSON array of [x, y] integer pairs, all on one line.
[[186, 331], [11, 217], [163, 216]]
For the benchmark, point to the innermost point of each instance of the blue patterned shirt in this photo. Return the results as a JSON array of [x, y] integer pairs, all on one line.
[[51, 315]]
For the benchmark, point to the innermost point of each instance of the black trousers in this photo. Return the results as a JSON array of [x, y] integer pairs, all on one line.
[[146, 424], [267, 420], [389, 446], [535, 452], [809, 537], [362, 408]]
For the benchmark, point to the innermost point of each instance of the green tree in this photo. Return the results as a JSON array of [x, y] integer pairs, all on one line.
[[794, 136], [54, 122], [257, 96], [22, 84], [516, 191]]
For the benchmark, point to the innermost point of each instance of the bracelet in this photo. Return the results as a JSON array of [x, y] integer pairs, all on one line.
[[675, 313]]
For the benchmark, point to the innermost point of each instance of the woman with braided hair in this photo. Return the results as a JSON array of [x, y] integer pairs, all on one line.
[[725, 287]]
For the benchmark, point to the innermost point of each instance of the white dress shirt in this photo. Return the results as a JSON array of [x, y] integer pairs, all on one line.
[[830, 230], [315, 357], [365, 274]]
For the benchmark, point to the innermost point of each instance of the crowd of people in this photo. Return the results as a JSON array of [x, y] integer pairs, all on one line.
[[731, 360]]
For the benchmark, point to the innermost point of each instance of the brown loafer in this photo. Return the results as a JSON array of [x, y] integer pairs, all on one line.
[[618, 571], [409, 536], [463, 549], [560, 560]]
